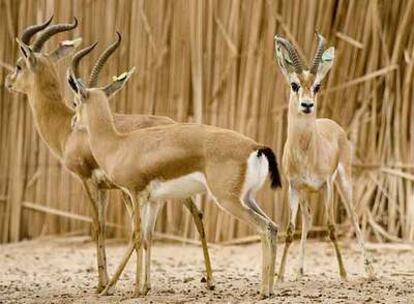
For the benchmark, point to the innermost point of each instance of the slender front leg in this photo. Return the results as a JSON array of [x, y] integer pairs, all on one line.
[[293, 204], [328, 193], [198, 220], [306, 224], [134, 243], [98, 200]]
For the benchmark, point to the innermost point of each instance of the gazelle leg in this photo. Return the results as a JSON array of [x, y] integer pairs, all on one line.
[[150, 212], [345, 184], [198, 220], [251, 202], [268, 232], [138, 200], [121, 266], [98, 201], [293, 204], [328, 196], [306, 224], [135, 242], [138, 250], [130, 208]]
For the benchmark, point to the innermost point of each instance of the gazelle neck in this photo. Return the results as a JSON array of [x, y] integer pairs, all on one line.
[[301, 128], [100, 124], [52, 116]]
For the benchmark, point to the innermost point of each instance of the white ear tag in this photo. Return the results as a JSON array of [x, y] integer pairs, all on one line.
[[67, 43]]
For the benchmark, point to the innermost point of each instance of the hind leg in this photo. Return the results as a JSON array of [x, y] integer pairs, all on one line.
[[198, 220], [150, 211], [328, 197], [293, 204], [345, 183], [251, 203], [268, 232]]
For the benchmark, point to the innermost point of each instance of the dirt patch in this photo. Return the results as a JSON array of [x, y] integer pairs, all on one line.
[[63, 271]]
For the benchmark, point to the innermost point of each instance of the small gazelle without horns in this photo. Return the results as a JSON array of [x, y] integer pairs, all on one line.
[[178, 161], [316, 151]]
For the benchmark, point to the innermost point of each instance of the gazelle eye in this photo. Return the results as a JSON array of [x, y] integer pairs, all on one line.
[[295, 87], [316, 88], [18, 68]]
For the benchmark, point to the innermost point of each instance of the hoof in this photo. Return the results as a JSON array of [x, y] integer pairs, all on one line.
[[209, 283], [370, 272], [99, 288], [280, 279], [344, 277], [137, 294], [145, 290], [109, 290], [299, 275], [264, 296]]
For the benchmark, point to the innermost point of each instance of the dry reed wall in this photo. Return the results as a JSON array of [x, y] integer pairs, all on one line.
[[213, 60]]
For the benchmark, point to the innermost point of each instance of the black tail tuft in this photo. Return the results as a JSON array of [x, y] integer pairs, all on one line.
[[273, 167]]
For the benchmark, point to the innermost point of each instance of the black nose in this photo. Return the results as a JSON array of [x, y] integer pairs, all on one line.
[[307, 105]]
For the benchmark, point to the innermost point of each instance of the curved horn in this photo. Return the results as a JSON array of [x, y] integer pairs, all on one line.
[[293, 54], [318, 54], [53, 30], [30, 31], [77, 58], [93, 78]]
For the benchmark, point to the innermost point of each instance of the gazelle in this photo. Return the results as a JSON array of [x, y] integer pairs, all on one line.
[[178, 161], [35, 76], [316, 151]]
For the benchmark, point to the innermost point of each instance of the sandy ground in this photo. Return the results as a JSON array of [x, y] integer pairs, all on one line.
[[63, 271]]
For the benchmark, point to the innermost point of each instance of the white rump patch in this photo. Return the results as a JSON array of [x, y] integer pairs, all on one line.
[[256, 173]]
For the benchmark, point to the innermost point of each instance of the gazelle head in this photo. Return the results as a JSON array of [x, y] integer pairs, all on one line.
[[82, 91], [305, 83], [34, 62]]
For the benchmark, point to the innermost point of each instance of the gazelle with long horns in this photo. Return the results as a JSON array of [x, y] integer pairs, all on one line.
[[178, 161], [316, 151], [35, 76]]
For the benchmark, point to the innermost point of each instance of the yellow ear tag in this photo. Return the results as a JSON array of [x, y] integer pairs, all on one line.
[[120, 77]]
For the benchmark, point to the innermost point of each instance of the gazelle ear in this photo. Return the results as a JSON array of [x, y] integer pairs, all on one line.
[[27, 53], [77, 87], [118, 83], [282, 58], [65, 48], [326, 63], [72, 82]]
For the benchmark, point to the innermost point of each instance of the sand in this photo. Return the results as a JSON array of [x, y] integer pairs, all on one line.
[[62, 270]]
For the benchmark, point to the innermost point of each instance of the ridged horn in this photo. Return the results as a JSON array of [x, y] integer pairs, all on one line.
[[30, 31], [318, 54], [78, 56], [293, 54], [51, 31], [100, 62]]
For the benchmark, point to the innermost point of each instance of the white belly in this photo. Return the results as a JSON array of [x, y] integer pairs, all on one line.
[[178, 188]]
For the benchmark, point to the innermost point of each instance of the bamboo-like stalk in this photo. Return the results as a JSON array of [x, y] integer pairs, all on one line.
[[215, 59]]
